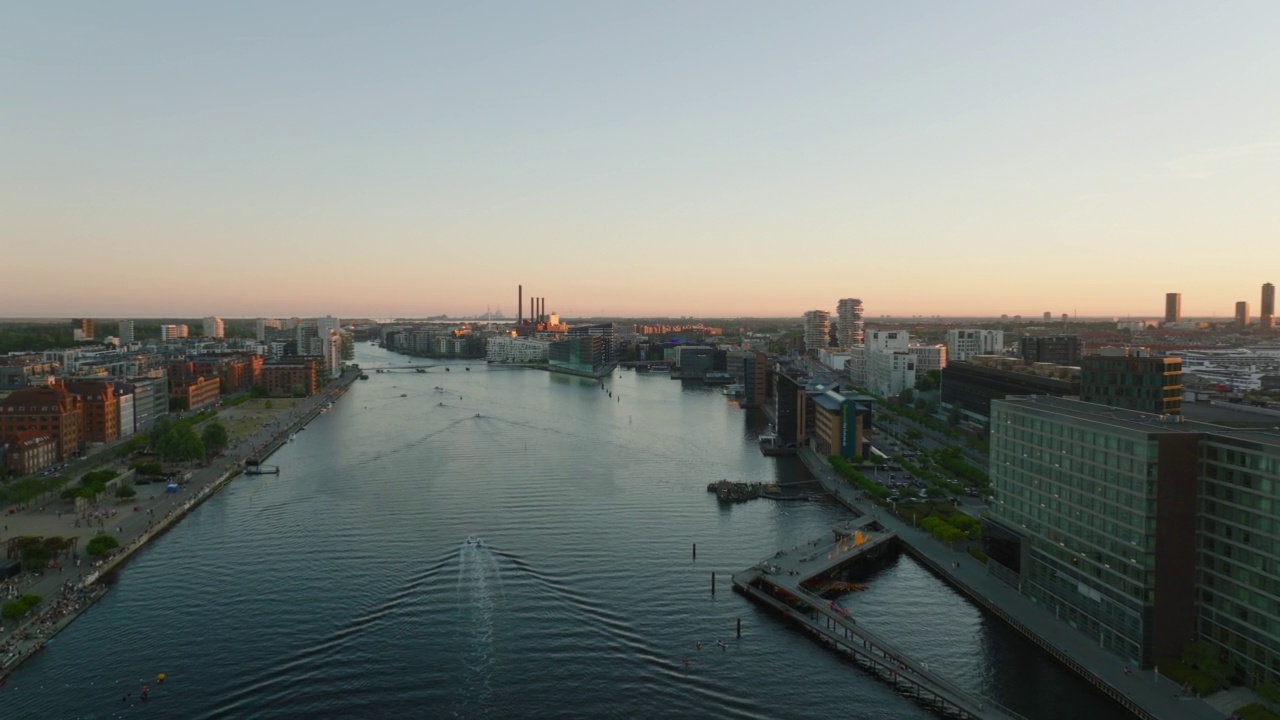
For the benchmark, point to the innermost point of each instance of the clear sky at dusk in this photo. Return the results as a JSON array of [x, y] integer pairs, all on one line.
[[685, 158]]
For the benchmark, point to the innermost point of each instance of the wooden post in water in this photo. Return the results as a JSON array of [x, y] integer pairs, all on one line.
[[695, 551], [739, 627], [713, 582]]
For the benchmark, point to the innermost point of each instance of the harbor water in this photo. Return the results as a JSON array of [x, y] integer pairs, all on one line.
[[346, 586]]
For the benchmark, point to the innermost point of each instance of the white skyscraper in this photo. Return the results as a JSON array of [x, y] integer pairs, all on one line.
[[849, 326], [213, 327], [125, 333]]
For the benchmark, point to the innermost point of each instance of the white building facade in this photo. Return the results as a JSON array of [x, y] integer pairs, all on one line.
[[515, 350], [964, 344]]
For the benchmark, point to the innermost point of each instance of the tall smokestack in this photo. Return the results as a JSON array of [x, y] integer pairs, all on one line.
[[542, 305], [531, 311], [520, 304]]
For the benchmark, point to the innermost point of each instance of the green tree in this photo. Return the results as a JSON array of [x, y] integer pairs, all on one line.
[[906, 396], [957, 412], [101, 544], [124, 492], [215, 437]]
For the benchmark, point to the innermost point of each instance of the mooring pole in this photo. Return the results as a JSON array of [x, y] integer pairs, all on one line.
[[713, 582], [695, 551], [739, 627]]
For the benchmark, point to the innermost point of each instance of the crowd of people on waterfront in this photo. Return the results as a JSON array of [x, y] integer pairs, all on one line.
[[101, 515], [30, 636]]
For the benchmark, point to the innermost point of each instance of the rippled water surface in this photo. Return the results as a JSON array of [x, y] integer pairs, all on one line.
[[345, 587]]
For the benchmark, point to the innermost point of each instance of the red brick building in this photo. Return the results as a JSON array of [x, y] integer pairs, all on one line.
[[101, 410], [292, 375], [195, 391], [31, 451], [49, 409]]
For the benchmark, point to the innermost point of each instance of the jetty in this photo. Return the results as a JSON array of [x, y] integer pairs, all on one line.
[[791, 583], [736, 492]]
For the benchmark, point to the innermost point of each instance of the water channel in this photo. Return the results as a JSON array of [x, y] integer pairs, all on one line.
[[345, 586]]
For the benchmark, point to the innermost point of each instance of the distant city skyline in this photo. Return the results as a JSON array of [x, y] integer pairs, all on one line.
[[647, 160]]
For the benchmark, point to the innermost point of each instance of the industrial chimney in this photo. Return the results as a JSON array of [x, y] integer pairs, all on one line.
[[520, 304]]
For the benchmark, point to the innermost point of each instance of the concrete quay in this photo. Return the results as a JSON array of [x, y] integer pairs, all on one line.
[[1146, 694], [70, 589]]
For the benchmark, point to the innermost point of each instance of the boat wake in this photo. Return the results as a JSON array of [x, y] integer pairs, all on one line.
[[479, 593]]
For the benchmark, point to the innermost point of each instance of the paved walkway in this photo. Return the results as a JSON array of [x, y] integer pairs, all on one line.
[[1155, 693], [131, 524]]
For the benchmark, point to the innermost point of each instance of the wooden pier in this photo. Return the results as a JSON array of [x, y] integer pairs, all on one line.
[[789, 583]]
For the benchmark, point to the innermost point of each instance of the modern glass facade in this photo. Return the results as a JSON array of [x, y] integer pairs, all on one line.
[[1104, 502], [1147, 384], [584, 354], [1238, 554]]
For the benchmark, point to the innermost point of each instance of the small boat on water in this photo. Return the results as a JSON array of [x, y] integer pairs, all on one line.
[[475, 541]]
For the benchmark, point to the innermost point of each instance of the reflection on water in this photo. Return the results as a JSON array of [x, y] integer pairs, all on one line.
[[345, 587]]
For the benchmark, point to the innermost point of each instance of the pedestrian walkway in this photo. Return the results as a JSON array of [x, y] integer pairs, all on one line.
[[1148, 693]]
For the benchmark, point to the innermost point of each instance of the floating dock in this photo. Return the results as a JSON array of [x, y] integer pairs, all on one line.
[[791, 583]]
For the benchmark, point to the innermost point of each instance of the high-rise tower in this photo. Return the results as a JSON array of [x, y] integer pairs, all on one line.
[[1242, 314], [1267, 313], [1173, 307], [817, 328], [849, 325]]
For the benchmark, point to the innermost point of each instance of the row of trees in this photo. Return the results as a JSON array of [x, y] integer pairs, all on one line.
[[19, 607], [92, 484], [844, 469], [177, 441]]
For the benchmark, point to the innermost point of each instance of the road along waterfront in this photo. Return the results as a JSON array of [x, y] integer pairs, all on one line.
[[345, 586]]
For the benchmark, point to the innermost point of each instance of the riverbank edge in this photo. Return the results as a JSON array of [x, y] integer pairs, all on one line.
[[92, 582], [814, 465]]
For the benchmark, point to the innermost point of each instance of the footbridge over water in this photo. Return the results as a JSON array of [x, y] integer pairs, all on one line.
[[791, 582]]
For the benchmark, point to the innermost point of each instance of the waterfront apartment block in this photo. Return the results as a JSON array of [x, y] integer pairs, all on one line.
[[583, 354], [1238, 564], [749, 370], [1146, 384], [292, 376], [48, 409], [29, 451], [101, 410], [504, 349], [1095, 519], [194, 391], [837, 424], [974, 385]]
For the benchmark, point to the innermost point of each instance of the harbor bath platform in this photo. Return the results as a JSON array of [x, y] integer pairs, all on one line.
[[791, 583]]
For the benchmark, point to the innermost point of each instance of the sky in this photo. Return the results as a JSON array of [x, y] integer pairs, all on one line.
[[637, 159]]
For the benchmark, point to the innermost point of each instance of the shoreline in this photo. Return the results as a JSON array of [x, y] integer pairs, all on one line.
[[89, 587]]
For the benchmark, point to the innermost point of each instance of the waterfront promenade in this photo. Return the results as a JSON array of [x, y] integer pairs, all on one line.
[[132, 523], [1145, 693]]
